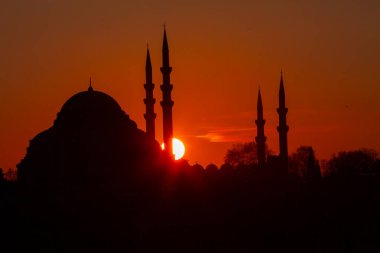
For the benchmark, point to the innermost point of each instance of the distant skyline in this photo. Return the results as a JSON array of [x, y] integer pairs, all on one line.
[[220, 50]]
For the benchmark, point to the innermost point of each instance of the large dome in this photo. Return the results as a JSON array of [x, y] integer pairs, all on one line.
[[90, 106], [92, 138]]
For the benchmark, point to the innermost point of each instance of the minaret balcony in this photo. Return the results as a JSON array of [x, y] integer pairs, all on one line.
[[166, 70], [166, 87], [169, 103], [282, 110]]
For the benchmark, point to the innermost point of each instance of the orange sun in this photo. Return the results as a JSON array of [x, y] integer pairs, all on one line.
[[178, 148]]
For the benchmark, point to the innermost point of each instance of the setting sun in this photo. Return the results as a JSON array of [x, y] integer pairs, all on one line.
[[178, 148]]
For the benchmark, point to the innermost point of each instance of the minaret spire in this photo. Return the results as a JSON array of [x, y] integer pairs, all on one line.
[[260, 138], [282, 127], [149, 100], [167, 102], [90, 86]]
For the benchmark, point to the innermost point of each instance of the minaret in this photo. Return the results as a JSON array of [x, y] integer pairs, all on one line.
[[167, 102], [260, 138], [282, 127], [149, 100]]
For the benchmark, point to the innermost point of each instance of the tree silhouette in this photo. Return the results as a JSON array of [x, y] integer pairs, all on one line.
[[313, 168], [1, 175], [303, 163], [242, 154], [11, 175], [352, 162]]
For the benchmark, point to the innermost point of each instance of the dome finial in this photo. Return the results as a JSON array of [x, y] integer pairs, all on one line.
[[90, 87]]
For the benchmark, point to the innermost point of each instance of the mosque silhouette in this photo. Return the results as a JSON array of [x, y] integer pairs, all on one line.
[[93, 134], [94, 182], [94, 157]]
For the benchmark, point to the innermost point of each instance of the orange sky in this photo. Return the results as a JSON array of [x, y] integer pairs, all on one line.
[[329, 52]]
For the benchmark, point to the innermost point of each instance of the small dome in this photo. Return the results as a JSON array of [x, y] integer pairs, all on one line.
[[198, 167], [226, 168], [211, 168]]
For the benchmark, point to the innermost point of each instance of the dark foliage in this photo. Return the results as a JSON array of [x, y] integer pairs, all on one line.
[[304, 164], [243, 154], [353, 162], [1, 175]]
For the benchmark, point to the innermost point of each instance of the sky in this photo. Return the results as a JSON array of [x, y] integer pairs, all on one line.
[[329, 52]]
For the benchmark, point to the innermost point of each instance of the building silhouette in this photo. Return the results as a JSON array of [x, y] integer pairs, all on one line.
[[94, 182], [149, 100], [91, 140], [92, 134], [260, 138], [167, 102]]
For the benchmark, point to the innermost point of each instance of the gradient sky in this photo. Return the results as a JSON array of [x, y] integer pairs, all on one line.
[[329, 52]]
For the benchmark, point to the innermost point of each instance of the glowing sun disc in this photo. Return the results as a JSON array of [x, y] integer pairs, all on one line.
[[178, 148]]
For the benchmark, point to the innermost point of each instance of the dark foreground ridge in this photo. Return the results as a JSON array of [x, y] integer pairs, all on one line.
[[94, 182]]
